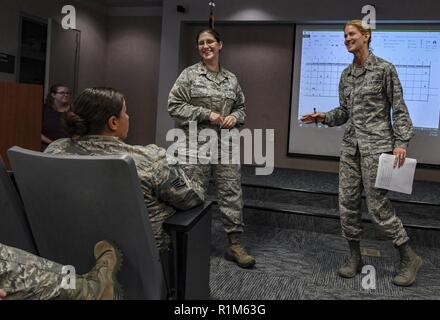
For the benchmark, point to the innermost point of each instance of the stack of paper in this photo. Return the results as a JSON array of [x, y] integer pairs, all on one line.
[[395, 179]]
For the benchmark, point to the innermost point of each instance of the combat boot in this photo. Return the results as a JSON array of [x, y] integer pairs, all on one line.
[[235, 252], [354, 264], [410, 263], [100, 283]]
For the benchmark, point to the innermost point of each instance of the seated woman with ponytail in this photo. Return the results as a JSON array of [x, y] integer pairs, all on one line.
[[97, 124]]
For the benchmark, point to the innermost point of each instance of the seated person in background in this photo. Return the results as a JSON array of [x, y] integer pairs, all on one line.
[[57, 102], [26, 276], [97, 125]]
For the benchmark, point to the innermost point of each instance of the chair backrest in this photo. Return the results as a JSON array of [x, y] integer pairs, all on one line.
[[72, 202], [14, 227]]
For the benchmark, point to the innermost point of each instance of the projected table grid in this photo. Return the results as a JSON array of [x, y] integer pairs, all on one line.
[[321, 79], [415, 81]]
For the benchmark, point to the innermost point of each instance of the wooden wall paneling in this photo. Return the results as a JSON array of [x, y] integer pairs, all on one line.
[[20, 116]]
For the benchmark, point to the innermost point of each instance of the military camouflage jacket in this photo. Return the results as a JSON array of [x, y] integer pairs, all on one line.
[[198, 92], [165, 187], [366, 101]]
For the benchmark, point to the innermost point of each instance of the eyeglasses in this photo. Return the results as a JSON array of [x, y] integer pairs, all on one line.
[[63, 93], [209, 42]]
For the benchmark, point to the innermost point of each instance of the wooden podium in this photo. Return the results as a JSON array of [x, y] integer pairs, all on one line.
[[20, 117]]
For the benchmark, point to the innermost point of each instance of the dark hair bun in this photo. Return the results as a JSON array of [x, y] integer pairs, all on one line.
[[74, 125]]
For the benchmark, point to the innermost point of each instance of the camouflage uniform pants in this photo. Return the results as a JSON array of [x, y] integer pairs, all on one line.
[[358, 173], [227, 179], [26, 276]]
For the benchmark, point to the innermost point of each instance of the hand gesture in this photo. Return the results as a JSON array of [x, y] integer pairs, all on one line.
[[313, 117], [215, 118], [229, 122]]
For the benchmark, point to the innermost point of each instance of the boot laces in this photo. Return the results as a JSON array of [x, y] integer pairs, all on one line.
[[239, 249], [352, 259], [101, 262], [404, 267]]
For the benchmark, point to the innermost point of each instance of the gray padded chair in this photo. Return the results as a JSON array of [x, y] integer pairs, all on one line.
[[14, 227], [73, 202]]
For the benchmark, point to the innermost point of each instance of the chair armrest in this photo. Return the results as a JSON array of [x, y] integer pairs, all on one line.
[[190, 231], [183, 221]]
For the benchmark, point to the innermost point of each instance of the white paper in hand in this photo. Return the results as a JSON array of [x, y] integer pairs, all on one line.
[[395, 179]]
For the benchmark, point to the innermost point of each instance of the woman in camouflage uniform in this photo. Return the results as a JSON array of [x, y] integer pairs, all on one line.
[[377, 120], [209, 95], [97, 124]]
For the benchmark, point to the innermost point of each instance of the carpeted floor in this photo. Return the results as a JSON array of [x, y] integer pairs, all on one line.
[[296, 264]]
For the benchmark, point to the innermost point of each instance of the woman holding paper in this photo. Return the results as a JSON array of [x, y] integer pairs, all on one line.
[[369, 90]]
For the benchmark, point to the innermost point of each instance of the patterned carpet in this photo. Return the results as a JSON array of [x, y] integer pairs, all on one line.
[[297, 264]]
